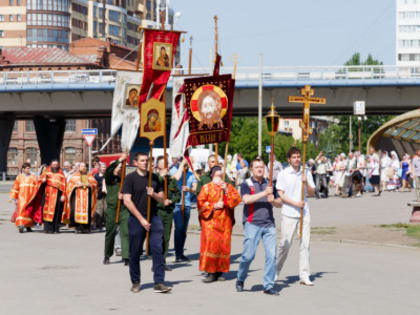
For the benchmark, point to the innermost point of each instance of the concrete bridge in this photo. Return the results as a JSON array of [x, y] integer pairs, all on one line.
[[49, 97], [88, 93]]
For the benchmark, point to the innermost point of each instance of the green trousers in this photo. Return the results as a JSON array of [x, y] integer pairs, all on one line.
[[111, 230], [166, 217]]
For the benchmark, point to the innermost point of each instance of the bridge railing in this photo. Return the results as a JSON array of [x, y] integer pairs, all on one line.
[[270, 73]]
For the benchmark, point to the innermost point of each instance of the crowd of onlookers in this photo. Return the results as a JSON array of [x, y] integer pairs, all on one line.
[[356, 173]]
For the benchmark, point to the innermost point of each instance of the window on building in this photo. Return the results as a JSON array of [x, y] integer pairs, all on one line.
[[29, 126], [11, 2], [12, 157], [31, 154], [1, 18], [114, 16], [11, 18], [70, 154], [18, 2], [15, 126], [70, 125], [286, 124], [114, 30], [18, 17], [1, 33]]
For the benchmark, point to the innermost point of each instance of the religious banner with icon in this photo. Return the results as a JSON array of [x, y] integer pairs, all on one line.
[[159, 48], [131, 95], [152, 119], [209, 103]]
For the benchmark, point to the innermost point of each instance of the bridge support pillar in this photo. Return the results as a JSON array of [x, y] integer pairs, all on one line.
[[6, 129], [50, 134]]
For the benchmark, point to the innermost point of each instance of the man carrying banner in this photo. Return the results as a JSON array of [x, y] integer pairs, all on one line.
[[28, 204], [183, 209], [112, 179], [135, 193], [216, 203], [166, 208], [81, 199], [54, 197]]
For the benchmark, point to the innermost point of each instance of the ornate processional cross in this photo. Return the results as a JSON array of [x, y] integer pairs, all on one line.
[[306, 99]]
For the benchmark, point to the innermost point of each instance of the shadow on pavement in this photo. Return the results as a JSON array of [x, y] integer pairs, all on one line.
[[171, 283]]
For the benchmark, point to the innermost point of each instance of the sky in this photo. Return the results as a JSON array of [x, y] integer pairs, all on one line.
[[288, 32]]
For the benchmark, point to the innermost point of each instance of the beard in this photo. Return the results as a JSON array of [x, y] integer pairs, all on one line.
[[55, 169]]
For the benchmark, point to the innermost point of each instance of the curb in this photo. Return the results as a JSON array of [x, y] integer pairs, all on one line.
[[344, 241]]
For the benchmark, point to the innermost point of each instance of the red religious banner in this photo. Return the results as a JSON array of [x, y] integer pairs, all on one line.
[[159, 48], [209, 102]]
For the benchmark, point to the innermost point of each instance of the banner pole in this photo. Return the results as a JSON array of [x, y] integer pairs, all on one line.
[[148, 197]]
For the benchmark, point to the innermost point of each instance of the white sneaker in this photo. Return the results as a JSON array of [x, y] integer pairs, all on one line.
[[306, 282]]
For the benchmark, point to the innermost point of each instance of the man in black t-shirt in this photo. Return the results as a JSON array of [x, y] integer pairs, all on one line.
[[136, 192]]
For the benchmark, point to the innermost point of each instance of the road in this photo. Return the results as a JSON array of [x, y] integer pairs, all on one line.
[[63, 274]]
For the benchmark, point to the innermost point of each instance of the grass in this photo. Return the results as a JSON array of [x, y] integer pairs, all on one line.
[[411, 230]]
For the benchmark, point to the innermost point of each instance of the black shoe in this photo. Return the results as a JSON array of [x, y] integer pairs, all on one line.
[[106, 261], [184, 258], [210, 278], [21, 229], [239, 286], [126, 261], [28, 229], [167, 268], [219, 276], [135, 287], [161, 288], [271, 292]]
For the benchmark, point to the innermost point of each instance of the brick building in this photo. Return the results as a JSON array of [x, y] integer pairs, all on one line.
[[87, 53]]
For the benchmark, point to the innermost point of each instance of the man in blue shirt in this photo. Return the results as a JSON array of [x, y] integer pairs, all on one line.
[[258, 220], [181, 219]]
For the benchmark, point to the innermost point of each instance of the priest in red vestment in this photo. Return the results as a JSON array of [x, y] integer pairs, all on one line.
[[216, 203], [28, 202], [54, 193], [81, 199]]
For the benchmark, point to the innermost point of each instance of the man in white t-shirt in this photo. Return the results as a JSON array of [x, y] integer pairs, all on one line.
[[289, 187]]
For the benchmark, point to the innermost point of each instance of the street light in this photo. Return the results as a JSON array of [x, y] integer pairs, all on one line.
[[272, 119]]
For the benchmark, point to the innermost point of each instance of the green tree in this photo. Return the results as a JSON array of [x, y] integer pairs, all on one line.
[[244, 140], [336, 138]]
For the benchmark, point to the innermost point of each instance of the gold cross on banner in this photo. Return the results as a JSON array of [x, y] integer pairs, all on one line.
[[307, 100]]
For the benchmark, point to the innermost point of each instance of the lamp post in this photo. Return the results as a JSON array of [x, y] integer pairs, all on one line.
[[272, 119]]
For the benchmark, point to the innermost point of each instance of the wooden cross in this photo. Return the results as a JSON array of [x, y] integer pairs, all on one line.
[[306, 99]]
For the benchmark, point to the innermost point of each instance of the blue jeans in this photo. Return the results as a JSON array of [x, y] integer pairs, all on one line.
[[137, 235], [181, 227], [253, 234]]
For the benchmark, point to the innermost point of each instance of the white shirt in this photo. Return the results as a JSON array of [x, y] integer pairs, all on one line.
[[290, 182]]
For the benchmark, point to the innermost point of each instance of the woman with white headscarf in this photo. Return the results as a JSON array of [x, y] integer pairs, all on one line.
[[393, 168], [385, 164]]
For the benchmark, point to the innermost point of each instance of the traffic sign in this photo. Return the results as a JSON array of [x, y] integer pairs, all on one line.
[[268, 149], [359, 108], [89, 139], [90, 131]]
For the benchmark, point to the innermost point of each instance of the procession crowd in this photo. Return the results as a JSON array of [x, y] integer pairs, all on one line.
[[139, 210]]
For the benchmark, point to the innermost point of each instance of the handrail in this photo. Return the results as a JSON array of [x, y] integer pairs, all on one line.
[[270, 73]]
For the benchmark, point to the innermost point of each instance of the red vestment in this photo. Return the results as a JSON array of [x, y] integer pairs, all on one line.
[[28, 206], [81, 191], [216, 227], [54, 183]]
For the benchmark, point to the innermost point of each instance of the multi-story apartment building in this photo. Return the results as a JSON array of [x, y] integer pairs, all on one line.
[[408, 33], [56, 23]]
